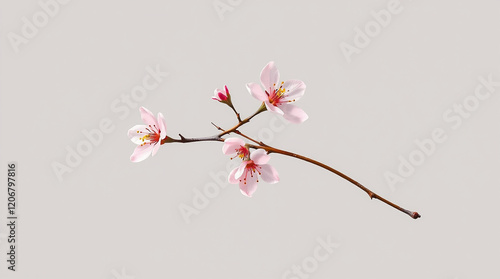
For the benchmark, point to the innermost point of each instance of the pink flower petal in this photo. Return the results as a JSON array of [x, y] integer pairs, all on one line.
[[216, 95], [155, 148], [141, 152], [272, 108], [257, 92], [135, 136], [222, 97], [259, 157], [293, 113], [163, 126], [249, 186], [269, 174], [147, 116], [295, 89], [269, 77], [231, 178], [241, 169], [231, 145]]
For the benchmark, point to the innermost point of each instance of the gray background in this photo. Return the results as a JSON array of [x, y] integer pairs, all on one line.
[[110, 218]]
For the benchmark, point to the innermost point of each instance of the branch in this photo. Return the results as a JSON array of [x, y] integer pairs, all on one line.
[[188, 140], [249, 138], [217, 127], [373, 195], [269, 149], [262, 108], [218, 137]]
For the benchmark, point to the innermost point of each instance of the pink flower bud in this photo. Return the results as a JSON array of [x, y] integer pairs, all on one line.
[[221, 95]]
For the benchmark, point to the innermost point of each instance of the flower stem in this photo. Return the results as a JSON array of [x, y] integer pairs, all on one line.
[[412, 214], [235, 112]]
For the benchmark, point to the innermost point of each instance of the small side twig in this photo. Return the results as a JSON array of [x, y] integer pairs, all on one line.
[[218, 128]]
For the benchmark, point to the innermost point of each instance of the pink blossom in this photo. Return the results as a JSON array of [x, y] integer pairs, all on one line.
[[247, 174], [278, 96], [221, 95], [148, 136], [235, 146]]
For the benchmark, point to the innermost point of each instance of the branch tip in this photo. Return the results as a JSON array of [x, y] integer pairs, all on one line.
[[217, 127]]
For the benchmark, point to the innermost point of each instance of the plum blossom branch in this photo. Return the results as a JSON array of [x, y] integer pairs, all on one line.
[[275, 97]]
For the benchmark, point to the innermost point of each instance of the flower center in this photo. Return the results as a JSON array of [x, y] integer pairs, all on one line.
[[251, 168], [242, 152], [153, 135], [276, 96]]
